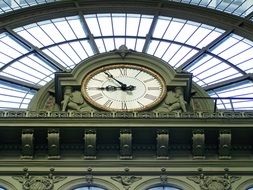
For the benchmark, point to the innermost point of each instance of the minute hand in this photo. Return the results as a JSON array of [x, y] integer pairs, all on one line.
[[123, 86]]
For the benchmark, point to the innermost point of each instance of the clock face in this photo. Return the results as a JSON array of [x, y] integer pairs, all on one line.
[[123, 87]]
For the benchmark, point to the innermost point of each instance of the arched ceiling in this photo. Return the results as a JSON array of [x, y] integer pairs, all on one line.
[[216, 47]]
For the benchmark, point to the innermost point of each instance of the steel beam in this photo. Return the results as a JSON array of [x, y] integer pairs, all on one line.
[[150, 34], [172, 9], [204, 50], [87, 31], [228, 82], [30, 46], [19, 83]]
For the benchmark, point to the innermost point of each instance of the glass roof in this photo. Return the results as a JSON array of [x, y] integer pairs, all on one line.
[[31, 54], [237, 7]]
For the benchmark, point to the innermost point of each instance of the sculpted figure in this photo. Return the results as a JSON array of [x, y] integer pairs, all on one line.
[[72, 100], [175, 100]]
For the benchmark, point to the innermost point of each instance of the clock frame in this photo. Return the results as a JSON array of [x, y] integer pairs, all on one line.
[[124, 67]]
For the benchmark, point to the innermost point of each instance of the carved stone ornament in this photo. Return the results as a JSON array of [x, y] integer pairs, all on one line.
[[198, 144], [125, 144], [214, 182], [174, 101], [126, 181], [27, 138], [123, 51], [162, 145], [38, 182]]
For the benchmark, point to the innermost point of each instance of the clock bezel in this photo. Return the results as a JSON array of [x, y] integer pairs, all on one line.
[[117, 66]]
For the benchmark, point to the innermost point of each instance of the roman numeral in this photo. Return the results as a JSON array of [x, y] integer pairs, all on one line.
[[148, 80], [108, 103], [92, 88], [97, 96], [137, 74], [123, 106], [154, 88], [150, 97], [97, 79], [140, 104], [123, 71]]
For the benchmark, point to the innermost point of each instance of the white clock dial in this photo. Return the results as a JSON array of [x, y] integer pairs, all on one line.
[[123, 88]]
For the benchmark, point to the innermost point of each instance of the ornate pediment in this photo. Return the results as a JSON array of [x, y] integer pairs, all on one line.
[[131, 82]]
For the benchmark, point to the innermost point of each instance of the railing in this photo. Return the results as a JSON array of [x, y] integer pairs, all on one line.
[[229, 103]]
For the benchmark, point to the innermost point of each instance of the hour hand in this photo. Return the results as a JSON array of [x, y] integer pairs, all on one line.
[[109, 88]]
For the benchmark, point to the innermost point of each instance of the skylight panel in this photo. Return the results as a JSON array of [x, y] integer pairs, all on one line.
[[119, 42], [238, 51], [242, 90], [171, 51], [119, 24], [100, 45], [211, 70], [14, 96], [187, 31], [105, 23], [161, 26], [109, 44], [174, 29], [93, 25], [52, 31], [131, 43], [183, 52], [204, 35], [183, 59], [61, 56], [139, 45], [10, 49], [133, 24], [145, 25]]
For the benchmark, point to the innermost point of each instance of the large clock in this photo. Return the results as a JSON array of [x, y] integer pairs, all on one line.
[[123, 87]]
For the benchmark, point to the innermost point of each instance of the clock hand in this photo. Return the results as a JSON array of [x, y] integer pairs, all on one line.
[[109, 88], [123, 86]]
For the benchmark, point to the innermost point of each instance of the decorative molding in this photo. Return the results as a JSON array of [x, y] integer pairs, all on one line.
[[90, 146], [27, 144], [225, 144], [141, 115], [198, 144], [126, 181], [125, 144], [53, 144], [162, 147], [123, 51], [89, 176], [38, 182], [214, 182]]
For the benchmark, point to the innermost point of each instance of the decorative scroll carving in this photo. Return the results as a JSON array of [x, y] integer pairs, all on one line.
[[90, 144], [125, 144], [72, 100], [198, 144], [162, 147], [214, 182], [225, 144], [27, 144], [38, 182], [53, 144], [126, 181], [174, 100]]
